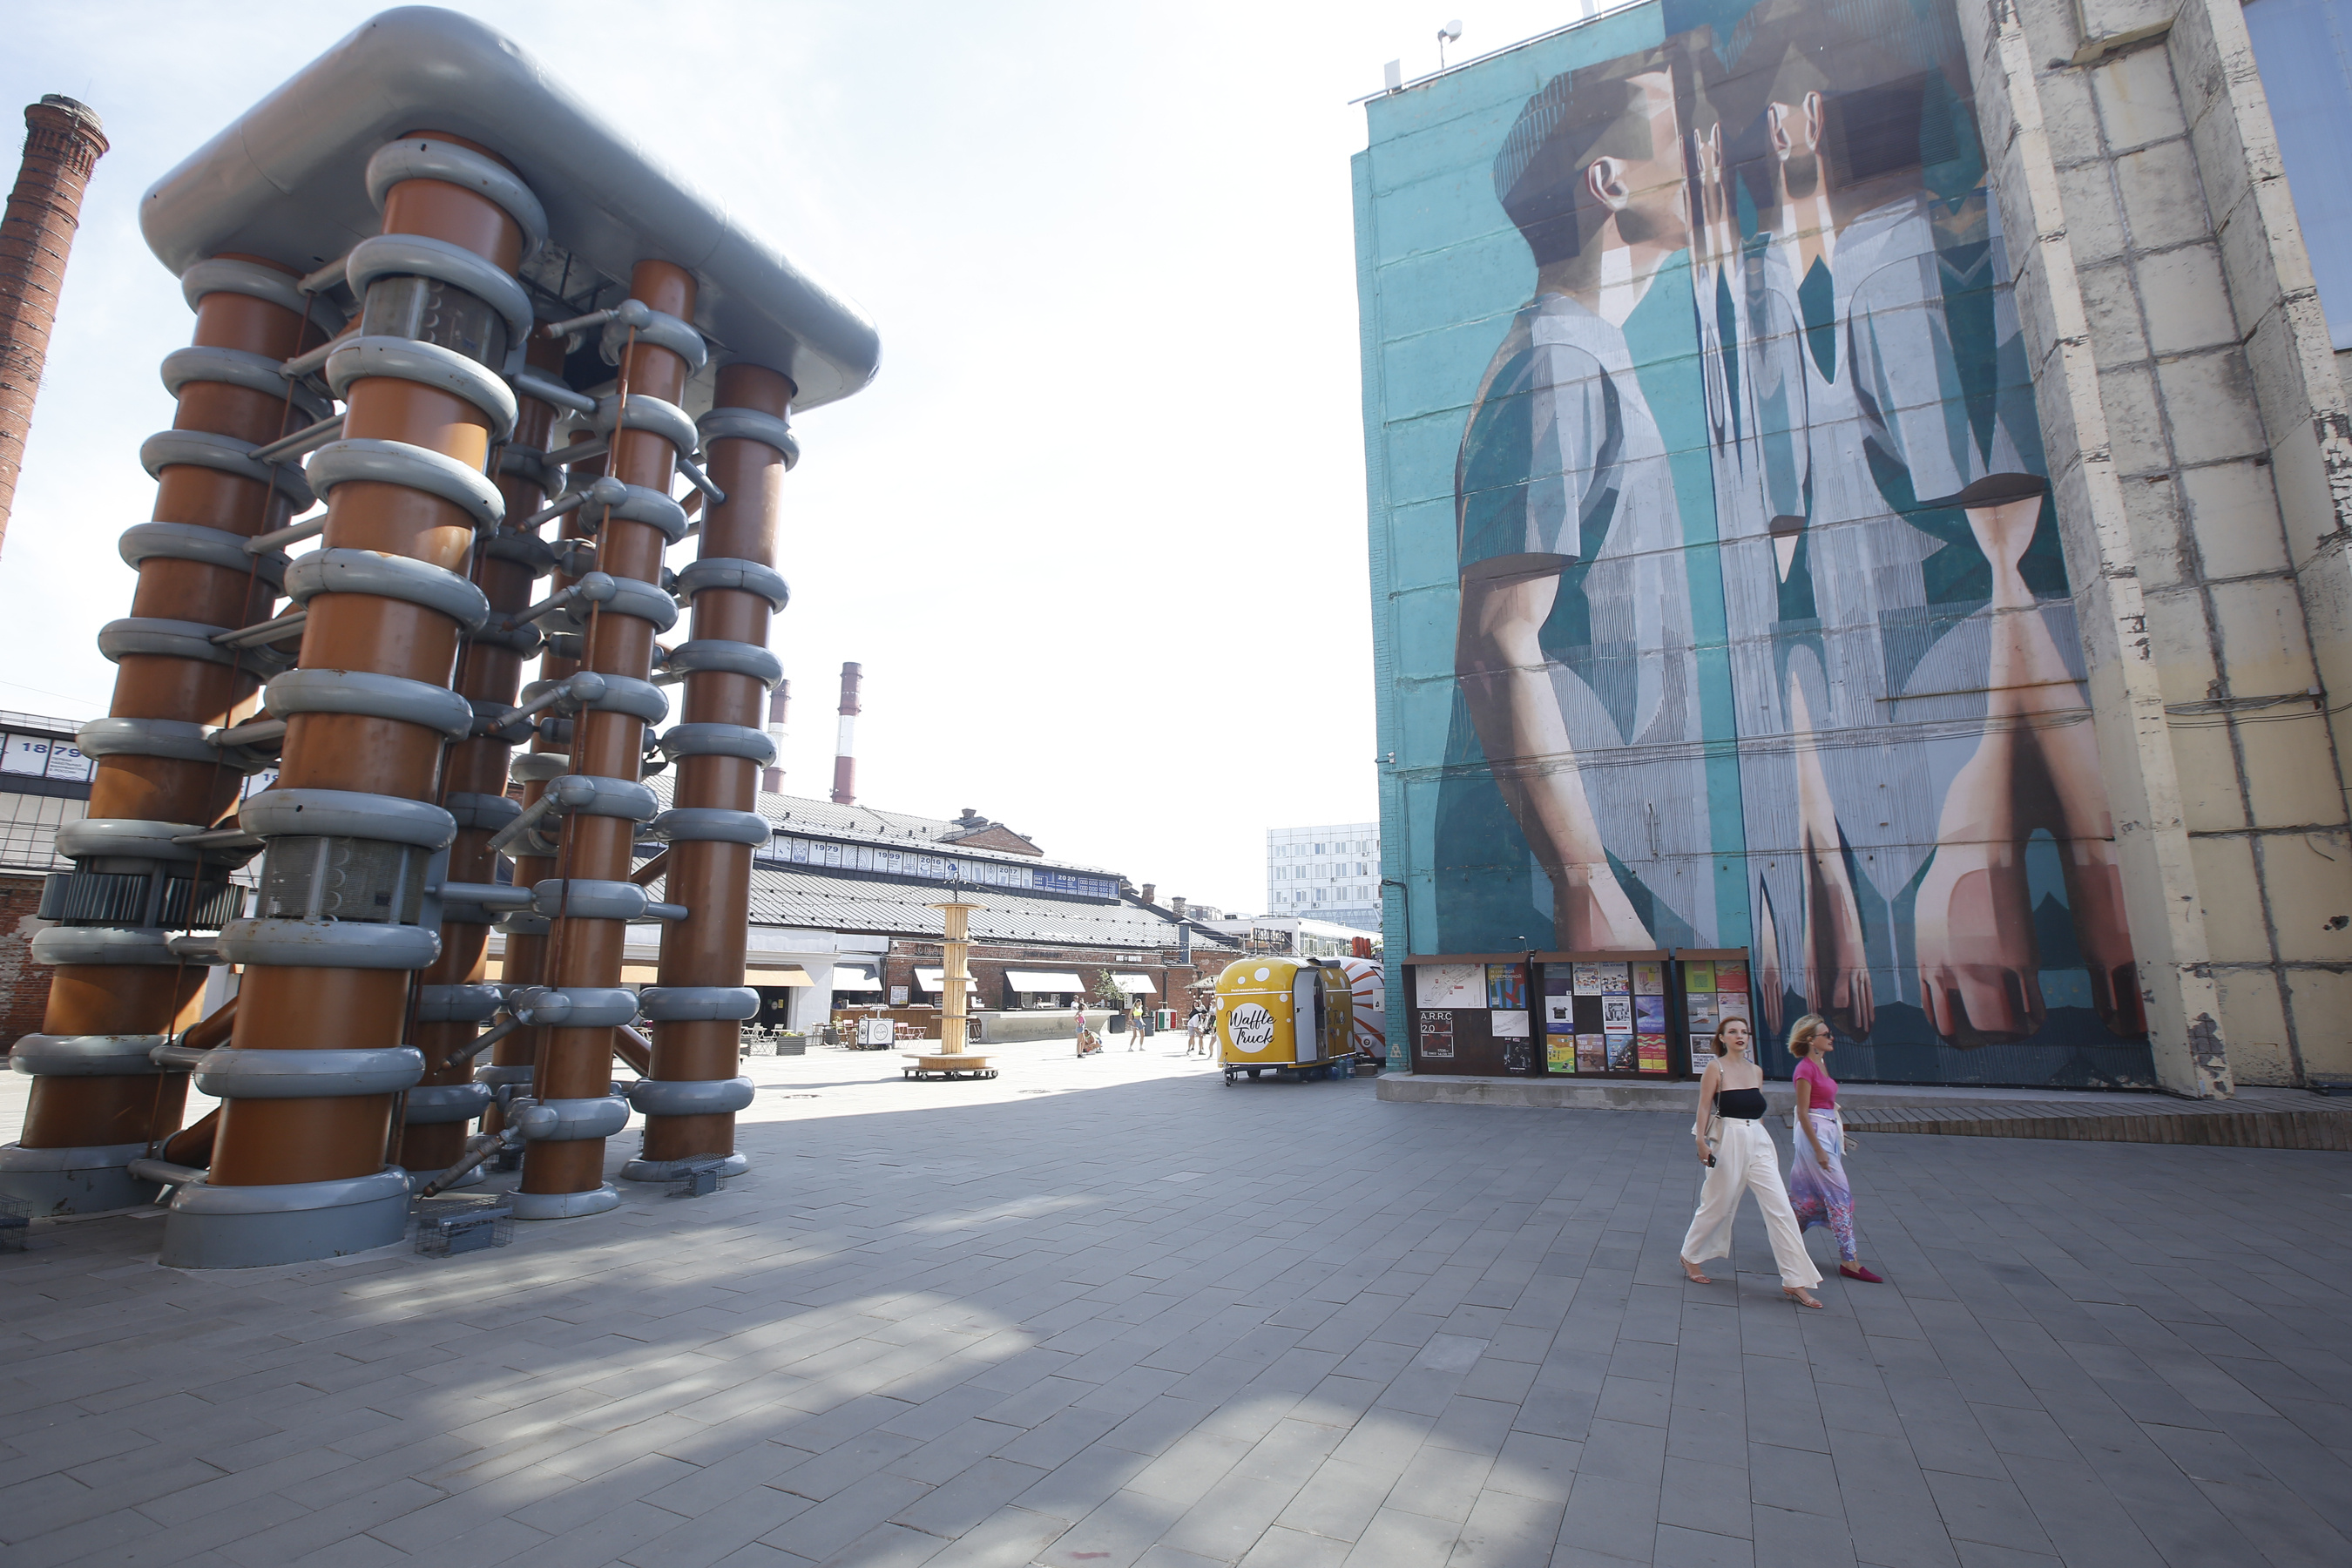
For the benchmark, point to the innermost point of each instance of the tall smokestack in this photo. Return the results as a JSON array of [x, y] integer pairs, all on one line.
[[845, 749], [63, 143], [778, 700]]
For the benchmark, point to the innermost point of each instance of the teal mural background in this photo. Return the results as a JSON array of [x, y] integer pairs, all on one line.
[[1442, 272]]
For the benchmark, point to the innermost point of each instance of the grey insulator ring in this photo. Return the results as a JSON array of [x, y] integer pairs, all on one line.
[[525, 640], [589, 899], [711, 824], [228, 1073], [143, 946], [193, 541], [223, 454], [719, 741], [496, 1076], [658, 328], [691, 1097], [327, 945], [414, 582], [417, 468], [85, 1056], [750, 425], [537, 767], [726, 572], [637, 699], [651, 415], [128, 837], [437, 1104], [594, 795], [574, 1006], [235, 367], [423, 158], [570, 1121], [427, 364], [145, 635], [291, 1198], [698, 1003], [715, 656], [17, 1159], [369, 696], [630, 597], [178, 739], [531, 463], [278, 813], [610, 499], [492, 812], [522, 549], [456, 1004], [224, 275], [414, 256]]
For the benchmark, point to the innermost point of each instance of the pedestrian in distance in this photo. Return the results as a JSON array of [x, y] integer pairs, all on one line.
[[1737, 1149], [1817, 1184], [1087, 1043], [1195, 1027]]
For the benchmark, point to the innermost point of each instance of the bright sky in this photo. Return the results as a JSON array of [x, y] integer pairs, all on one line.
[[1095, 532]]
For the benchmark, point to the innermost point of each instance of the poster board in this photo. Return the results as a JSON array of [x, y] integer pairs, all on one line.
[[1639, 1016], [1471, 1015]]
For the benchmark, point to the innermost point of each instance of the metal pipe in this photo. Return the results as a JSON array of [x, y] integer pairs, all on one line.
[[308, 439], [268, 632], [154, 993], [278, 539]]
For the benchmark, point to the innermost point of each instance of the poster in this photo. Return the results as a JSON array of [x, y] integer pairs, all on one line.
[[1650, 1051], [1649, 979], [1591, 1053], [1507, 1025], [1698, 975], [1559, 1009], [1589, 980], [1435, 1032], [1449, 986], [1650, 1014], [1698, 1010], [1616, 1014], [1731, 975], [1621, 1052], [1559, 1053], [1507, 986], [1518, 1055], [1725, 407]]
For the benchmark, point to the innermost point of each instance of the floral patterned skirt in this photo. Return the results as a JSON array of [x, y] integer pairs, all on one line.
[[1818, 1192]]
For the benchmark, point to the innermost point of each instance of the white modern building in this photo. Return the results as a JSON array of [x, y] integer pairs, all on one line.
[[1329, 873]]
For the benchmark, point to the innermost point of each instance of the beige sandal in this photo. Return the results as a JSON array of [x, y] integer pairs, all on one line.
[[1798, 1294], [1691, 1272]]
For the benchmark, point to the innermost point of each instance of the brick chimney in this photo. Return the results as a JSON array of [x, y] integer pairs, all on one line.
[[845, 747], [1149, 888], [63, 142], [779, 703]]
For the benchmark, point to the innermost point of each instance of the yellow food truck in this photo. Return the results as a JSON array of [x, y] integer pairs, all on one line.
[[1287, 1017]]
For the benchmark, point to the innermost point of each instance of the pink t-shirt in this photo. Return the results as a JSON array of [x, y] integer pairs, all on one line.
[[1824, 1087]]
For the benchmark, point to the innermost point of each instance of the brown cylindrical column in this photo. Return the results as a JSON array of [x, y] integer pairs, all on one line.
[[62, 144], [84, 1113], [712, 880], [264, 1141], [488, 672], [577, 1063]]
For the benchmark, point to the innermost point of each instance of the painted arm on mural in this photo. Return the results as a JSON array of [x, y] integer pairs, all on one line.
[[1525, 488]]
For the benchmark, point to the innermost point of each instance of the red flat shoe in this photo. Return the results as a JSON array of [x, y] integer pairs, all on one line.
[[1856, 1271]]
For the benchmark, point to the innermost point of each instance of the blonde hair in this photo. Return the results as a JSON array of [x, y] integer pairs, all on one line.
[[1801, 1033]]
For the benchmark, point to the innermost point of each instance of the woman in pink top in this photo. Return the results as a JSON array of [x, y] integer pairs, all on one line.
[[1817, 1188]]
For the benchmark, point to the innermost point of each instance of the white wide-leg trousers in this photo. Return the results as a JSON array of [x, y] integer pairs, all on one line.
[[1745, 1162]]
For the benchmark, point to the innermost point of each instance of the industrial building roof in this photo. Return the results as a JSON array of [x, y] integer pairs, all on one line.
[[855, 901]]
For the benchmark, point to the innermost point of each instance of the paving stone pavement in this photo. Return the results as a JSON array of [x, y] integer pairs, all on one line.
[[1110, 1314]]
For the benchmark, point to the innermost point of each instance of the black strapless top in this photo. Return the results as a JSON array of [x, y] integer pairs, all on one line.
[[1740, 1104]]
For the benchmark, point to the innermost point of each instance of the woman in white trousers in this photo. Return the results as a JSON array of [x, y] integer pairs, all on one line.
[[1742, 1159]]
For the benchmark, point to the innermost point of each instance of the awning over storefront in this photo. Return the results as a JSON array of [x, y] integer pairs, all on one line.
[[1043, 980], [774, 971], [856, 977], [936, 979], [1135, 985]]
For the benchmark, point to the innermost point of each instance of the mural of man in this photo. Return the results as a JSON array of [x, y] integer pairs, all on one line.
[[1574, 649]]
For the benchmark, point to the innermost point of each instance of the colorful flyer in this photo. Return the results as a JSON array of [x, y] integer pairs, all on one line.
[[1650, 1052], [1591, 1053], [1730, 1005], [1702, 1051], [1507, 1026], [1436, 1031], [1507, 986], [1731, 975], [1616, 1014], [1616, 979], [1588, 979], [1621, 1052], [1698, 975], [1559, 1053], [1650, 1014], [1649, 980], [1700, 1010], [1449, 986]]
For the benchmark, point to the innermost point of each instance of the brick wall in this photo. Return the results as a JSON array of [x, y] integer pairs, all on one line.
[[23, 985]]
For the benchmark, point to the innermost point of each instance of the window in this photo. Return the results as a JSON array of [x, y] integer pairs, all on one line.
[[2304, 48]]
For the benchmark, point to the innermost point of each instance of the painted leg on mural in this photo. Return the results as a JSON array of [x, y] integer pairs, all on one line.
[[1836, 964], [1505, 680], [1979, 967], [1770, 976]]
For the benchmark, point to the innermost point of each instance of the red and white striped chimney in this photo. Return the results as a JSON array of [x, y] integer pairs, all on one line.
[[844, 748], [778, 700]]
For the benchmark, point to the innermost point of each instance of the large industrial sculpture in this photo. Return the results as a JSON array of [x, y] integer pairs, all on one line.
[[519, 317]]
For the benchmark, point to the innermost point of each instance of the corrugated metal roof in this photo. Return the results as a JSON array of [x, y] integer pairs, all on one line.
[[835, 900], [801, 814]]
